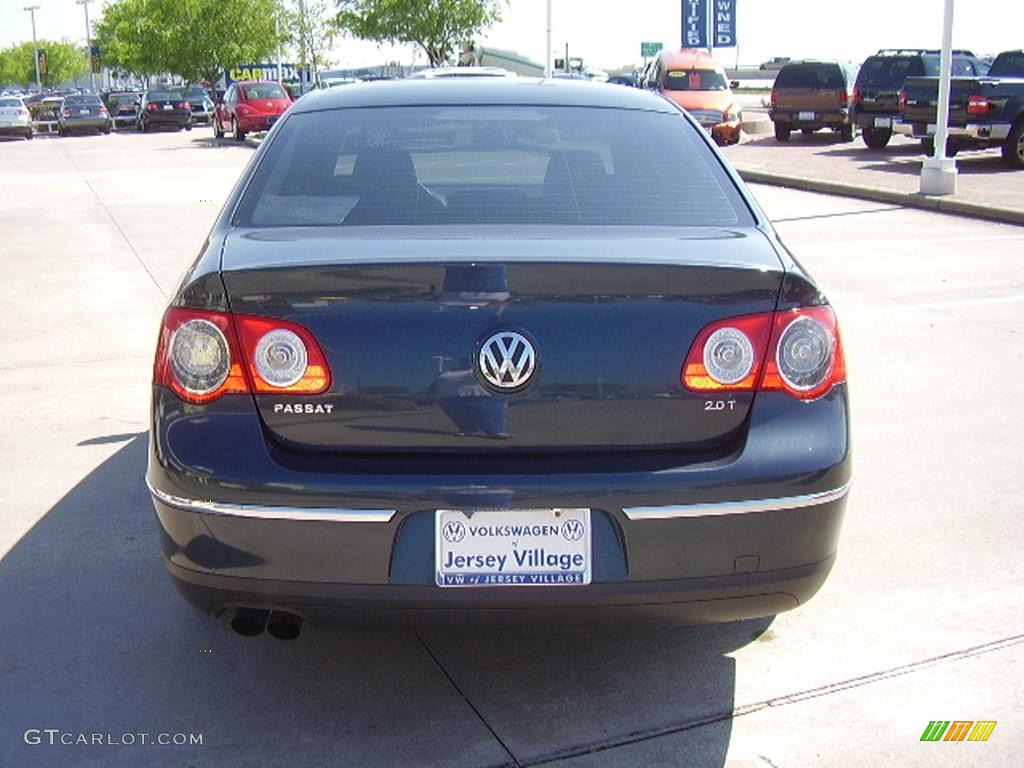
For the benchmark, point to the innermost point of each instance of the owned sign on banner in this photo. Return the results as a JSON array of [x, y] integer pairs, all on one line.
[[725, 23]]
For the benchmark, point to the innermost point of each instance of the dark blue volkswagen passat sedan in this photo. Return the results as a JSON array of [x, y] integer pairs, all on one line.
[[521, 352]]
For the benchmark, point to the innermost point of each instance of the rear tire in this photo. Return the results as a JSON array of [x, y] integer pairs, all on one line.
[[846, 132], [1013, 147], [876, 138], [806, 131], [928, 145], [188, 126], [31, 134], [782, 131]]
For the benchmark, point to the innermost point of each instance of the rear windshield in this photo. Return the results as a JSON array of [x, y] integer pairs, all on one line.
[[820, 76], [694, 80], [82, 100], [10, 102], [264, 91], [489, 165], [891, 71], [163, 96], [1010, 64]]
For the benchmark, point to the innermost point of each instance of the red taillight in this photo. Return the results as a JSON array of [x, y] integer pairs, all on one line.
[[903, 101], [270, 348], [21, 112], [184, 105], [103, 110], [844, 97], [774, 98], [152, 107], [805, 357], [243, 109], [203, 355], [978, 105], [742, 340], [198, 356], [797, 351], [67, 112], [856, 96]]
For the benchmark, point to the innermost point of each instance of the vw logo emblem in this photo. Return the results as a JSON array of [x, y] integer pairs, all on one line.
[[507, 361], [572, 530], [453, 531]]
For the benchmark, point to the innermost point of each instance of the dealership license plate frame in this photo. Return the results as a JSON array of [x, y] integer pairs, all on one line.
[[566, 540], [883, 122]]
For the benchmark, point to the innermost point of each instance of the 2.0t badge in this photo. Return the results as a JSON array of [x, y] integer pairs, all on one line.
[[507, 361]]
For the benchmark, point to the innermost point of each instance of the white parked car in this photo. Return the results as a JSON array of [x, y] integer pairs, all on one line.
[[15, 119]]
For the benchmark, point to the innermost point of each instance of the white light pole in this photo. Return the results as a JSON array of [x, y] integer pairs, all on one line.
[[88, 42], [35, 46], [548, 62], [938, 174]]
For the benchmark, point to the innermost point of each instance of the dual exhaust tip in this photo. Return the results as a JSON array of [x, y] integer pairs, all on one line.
[[250, 622]]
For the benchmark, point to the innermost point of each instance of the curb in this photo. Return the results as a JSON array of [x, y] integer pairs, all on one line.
[[906, 199]]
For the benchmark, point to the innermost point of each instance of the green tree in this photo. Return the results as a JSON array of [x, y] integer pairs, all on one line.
[[65, 61], [196, 39], [311, 29], [436, 26]]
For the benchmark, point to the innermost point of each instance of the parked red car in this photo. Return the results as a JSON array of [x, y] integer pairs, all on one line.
[[249, 106]]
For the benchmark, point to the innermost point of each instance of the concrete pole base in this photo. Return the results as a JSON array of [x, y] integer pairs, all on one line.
[[938, 176]]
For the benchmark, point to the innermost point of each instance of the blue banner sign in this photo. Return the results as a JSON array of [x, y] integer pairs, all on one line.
[[724, 23], [695, 23]]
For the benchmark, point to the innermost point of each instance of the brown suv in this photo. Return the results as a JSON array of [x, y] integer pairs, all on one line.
[[809, 95]]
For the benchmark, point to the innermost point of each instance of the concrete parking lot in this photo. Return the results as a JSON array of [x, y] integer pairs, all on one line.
[[919, 621]]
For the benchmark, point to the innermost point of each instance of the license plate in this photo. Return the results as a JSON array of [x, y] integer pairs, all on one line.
[[83, 111], [805, 116], [512, 548], [883, 122], [168, 107]]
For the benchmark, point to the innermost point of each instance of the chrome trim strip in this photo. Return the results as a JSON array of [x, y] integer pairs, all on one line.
[[321, 514], [719, 509]]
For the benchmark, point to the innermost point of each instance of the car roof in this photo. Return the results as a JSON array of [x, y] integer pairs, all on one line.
[[689, 57], [516, 91]]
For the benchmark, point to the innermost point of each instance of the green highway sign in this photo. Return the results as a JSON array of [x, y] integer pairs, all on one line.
[[649, 49]]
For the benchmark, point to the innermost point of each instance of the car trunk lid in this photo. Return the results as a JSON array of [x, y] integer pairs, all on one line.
[[611, 321]]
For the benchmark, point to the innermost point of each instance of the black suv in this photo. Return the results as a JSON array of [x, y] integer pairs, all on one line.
[[876, 92]]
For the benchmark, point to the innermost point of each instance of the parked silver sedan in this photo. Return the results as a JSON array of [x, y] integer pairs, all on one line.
[[15, 119], [83, 112]]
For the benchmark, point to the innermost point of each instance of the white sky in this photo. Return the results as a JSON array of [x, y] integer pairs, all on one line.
[[608, 34]]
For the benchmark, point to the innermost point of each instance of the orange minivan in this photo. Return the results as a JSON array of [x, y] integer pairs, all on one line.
[[696, 82]]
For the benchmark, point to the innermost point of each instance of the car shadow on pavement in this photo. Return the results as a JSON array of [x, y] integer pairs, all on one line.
[[97, 644]]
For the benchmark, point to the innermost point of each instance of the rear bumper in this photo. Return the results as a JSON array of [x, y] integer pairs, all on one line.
[[972, 132], [15, 129], [833, 119], [875, 120], [258, 123], [157, 118], [599, 605], [87, 124], [750, 535]]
